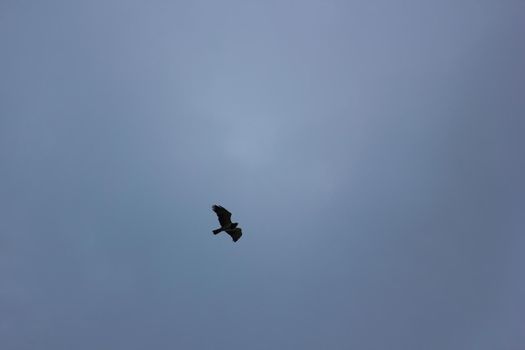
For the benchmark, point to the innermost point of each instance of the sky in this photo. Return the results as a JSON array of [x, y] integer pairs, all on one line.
[[372, 152]]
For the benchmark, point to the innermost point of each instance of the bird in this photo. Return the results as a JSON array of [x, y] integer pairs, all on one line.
[[226, 223]]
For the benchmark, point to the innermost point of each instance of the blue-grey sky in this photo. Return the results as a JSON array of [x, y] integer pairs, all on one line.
[[373, 152]]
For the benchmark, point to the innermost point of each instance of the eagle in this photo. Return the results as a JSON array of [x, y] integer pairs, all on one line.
[[226, 223]]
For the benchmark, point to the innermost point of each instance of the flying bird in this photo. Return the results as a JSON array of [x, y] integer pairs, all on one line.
[[226, 223]]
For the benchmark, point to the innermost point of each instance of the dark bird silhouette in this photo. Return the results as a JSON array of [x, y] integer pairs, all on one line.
[[226, 223]]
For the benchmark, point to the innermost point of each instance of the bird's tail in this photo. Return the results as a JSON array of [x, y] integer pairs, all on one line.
[[217, 231]]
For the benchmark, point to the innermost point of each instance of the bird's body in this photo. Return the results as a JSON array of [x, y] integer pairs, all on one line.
[[227, 225]]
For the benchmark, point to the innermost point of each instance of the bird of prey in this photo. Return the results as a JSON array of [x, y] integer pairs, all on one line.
[[226, 223]]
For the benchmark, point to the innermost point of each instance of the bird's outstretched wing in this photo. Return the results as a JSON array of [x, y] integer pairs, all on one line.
[[235, 233], [223, 215]]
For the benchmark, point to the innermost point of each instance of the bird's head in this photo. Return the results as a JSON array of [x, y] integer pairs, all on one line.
[[234, 224]]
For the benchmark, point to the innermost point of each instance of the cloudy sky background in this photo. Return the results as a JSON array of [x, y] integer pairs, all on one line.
[[373, 152]]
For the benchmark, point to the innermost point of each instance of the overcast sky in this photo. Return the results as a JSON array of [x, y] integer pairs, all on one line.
[[372, 151]]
